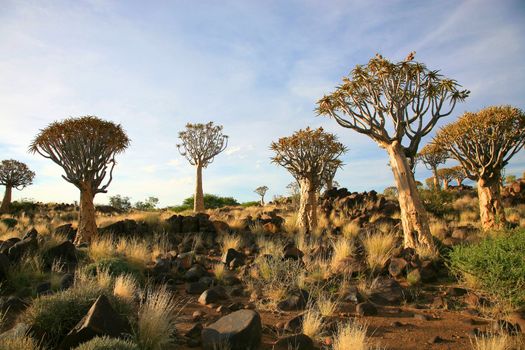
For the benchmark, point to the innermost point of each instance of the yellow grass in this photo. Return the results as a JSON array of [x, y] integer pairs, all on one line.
[[379, 248], [327, 306], [101, 248], [350, 230], [312, 323], [219, 270], [495, 342], [156, 320], [230, 242], [343, 249], [135, 250], [350, 336], [125, 288]]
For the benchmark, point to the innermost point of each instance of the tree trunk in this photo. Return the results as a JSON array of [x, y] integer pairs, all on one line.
[[436, 178], [490, 207], [6, 202], [459, 181], [329, 185], [307, 216], [413, 215], [445, 184], [87, 225], [262, 200], [198, 201]]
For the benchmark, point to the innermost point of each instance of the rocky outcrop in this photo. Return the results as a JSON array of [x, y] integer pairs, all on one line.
[[239, 330]]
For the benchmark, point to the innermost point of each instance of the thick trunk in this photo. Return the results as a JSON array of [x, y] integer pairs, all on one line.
[[459, 181], [490, 207], [198, 201], [6, 202], [262, 200], [445, 184], [87, 225], [329, 185], [436, 178], [413, 215], [307, 216]]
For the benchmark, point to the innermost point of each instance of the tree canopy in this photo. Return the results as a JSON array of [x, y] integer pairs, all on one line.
[[15, 174], [201, 143]]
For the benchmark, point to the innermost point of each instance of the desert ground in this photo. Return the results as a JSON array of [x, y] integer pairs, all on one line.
[[347, 285]]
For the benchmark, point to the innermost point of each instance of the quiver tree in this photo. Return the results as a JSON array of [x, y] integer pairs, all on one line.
[[446, 175], [13, 174], [85, 148], [458, 174], [327, 178], [484, 142], [306, 155], [431, 155], [396, 104], [200, 144], [261, 191]]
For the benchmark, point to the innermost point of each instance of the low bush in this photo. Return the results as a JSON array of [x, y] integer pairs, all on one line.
[[438, 202], [496, 264], [51, 317], [106, 343]]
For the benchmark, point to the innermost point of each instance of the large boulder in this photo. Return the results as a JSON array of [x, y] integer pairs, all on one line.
[[240, 330], [22, 247], [386, 291], [296, 301], [4, 267], [213, 295], [64, 253], [124, 228], [66, 231], [101, 320], [296, 342]]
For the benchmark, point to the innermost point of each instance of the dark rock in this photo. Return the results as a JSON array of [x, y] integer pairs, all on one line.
[[292, 252], [4, 267], [435, 340], [33, 233], [194, 273], [123, 228], [194, 332], [9, 222], [232, 254], [387, 292], [294, 324], [101, 320], [13, 304], [43, 288], [297, 301], [22, 247], [195, 287], [366, 309], [5, 245], [504, 326], [296, 342], [397, 266], [239, 330], [213, 295], [64, 253], [456, 291], [67, 281], [67, 231], [517, 318]]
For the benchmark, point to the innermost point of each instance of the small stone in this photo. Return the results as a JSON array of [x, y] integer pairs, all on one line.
[[297, 341], [422, 317], [366, 309], [435, 340]]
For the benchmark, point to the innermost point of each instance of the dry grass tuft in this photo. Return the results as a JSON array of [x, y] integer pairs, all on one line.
[[350, 230], [379, 248], [230, 242], [312, 323], [350, 336], [343, 249], [156, 320], [492, 342], [126, 288], [327, 306]]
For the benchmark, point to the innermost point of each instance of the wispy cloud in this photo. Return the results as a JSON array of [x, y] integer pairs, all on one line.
[[155, 68]]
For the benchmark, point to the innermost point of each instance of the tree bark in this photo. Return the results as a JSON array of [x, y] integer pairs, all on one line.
[[414, 218], [490, 207], [459, 181], [307, 216], [6, 202], [436, 178], [445, 184], [87, 225], [198, 201], [262, 200], [329, 185]]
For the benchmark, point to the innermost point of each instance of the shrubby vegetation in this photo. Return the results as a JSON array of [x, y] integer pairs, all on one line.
[[211, 201], [495, 265]]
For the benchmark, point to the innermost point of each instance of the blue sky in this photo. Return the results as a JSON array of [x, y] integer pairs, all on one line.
[[256, 67]]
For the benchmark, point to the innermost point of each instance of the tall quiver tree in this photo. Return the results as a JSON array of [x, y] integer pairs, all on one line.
[[432, 156], [261, 191], [85, 148], [446, 175], [484, 142], [306, 155], [200, 144], [13, 174], [396, 104]]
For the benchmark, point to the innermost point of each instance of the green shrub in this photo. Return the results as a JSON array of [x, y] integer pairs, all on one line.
[[106, 343], [250, 204], [438, 202], [51, 317], [115, 266], [212, 201], [497, 265]]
